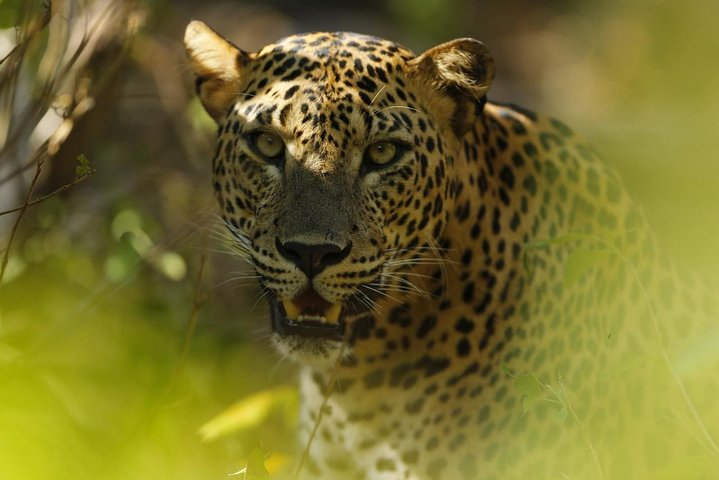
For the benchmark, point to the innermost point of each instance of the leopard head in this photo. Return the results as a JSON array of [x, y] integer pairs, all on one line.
[[334, 167]]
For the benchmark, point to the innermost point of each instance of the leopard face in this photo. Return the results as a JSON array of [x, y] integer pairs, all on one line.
[[334, 166]]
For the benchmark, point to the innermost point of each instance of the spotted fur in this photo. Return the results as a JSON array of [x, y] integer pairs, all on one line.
[[457, 279]]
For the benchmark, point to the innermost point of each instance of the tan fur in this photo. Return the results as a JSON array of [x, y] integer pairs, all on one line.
[[464, 63], [216, 63]]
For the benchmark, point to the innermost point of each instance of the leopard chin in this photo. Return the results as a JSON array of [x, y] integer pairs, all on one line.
[[316, 352]]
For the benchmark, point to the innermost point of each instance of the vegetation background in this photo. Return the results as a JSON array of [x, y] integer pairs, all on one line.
[[125, 326]]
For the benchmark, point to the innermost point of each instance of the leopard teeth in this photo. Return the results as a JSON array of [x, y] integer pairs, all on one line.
[[312, 318], [291, 310], [333, 313]]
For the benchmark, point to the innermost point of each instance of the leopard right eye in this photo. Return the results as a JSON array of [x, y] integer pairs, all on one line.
[[267, 145]]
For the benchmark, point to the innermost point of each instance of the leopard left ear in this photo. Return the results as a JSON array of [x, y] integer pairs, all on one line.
[[217, 65], [462, 68]]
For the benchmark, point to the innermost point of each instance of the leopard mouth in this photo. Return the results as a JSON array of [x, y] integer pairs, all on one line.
[[309, 315]]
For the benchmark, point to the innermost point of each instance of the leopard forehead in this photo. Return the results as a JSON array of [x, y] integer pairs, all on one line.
[[330, 66], [321, 46], [329, 92]]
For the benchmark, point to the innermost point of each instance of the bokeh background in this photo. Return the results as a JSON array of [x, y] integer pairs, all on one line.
[[126, 328]]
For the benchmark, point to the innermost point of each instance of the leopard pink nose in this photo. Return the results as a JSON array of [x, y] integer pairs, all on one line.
[[313, 258]]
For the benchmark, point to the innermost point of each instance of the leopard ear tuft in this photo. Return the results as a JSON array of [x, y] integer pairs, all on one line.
[[462, 68], [217, 65]]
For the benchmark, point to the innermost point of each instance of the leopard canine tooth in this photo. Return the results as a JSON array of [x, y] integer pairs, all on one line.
[[333, 313], [291, 310]]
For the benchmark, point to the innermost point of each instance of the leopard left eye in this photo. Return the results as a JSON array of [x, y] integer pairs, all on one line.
[[383, 153]]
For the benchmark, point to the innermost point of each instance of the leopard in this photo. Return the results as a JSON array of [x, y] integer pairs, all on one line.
[[467, 288]]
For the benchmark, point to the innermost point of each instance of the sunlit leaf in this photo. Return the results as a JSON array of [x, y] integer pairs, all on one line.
[[249, 412], [277, 462]]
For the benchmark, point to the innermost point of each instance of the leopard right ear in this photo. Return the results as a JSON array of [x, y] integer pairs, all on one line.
[[217, 65]]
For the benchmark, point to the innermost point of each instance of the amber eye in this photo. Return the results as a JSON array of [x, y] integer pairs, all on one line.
[[268, 144], [382, 153]]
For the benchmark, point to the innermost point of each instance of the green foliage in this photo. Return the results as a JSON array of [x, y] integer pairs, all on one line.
[[579, 261], [533, 391], [10, 11], [83, 166]]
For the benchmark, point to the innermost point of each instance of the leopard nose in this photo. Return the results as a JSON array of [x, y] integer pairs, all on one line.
[[312, 259]]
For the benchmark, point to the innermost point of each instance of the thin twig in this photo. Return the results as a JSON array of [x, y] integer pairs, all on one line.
[[23, 208], [582, 430], [329, 389], [198, 301], [51, 194]]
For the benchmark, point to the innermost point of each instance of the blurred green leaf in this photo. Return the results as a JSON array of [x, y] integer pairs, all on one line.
[[550, 242], [256, 469], [9, 13], [579, 262], [530, 388], [8, 353], [127, 220], [172, 265], [15, 267], [561, 413], [199, 118]]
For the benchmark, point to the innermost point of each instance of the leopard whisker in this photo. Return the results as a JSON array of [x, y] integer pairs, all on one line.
[[366, 300], [235, 279], [377, 94], [263, 293], [380, 292], [395, 106], [407, 283]]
